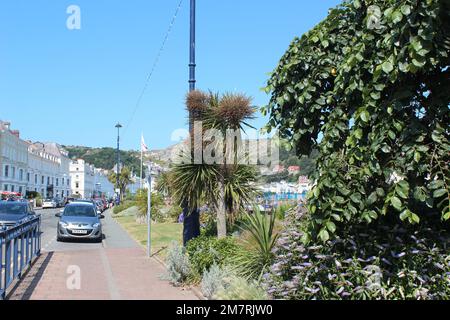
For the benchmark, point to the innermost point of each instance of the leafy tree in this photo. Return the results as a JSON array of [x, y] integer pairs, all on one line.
[[368, 88], [124, 180]]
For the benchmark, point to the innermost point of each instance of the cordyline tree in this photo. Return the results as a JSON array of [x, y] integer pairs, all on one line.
[[226, 185], [369, 88], [124, 180]]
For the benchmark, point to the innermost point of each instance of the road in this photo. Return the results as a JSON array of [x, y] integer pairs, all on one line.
[[48, 236], [113, 236]]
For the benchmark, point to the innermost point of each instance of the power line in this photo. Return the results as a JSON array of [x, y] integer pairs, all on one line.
[[155, 63]]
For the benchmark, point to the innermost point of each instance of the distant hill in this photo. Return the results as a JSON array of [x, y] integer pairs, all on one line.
[[105, 158]]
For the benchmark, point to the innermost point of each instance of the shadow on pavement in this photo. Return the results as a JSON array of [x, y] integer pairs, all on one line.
[[26, 286]]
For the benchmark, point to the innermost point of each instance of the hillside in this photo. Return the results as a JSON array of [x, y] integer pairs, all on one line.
[[105, 158]]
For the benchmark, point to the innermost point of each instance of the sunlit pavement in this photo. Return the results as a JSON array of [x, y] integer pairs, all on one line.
[[115, 269]]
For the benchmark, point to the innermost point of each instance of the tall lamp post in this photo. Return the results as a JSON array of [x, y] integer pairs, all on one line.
[[118, 126], [191, 222]]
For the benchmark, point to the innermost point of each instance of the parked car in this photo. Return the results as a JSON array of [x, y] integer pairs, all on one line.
[[100, 205], [79, 220], [49, 203], [14, 212], [59, 202]]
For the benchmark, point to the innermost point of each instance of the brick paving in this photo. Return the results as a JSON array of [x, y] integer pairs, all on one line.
[[118, 272]]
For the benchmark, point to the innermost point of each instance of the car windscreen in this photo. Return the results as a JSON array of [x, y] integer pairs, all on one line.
[[79, 211], [13, 208]]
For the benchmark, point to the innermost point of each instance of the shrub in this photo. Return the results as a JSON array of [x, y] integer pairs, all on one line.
[[212, 280], [123, 206], [381, 262], [259, 238], [39, 201], [239, 288], [178, 266], [205, 251]]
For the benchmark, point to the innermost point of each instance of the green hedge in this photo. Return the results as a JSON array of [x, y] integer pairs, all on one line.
[[205, 251], [125, 205]]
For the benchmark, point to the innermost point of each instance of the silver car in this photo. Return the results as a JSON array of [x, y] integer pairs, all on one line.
[[79, 221]]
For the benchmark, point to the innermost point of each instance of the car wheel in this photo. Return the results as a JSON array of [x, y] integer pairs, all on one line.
[[59, 239]]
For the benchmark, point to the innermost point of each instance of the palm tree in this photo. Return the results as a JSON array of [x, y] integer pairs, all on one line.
[[124, 180], [227, 186]]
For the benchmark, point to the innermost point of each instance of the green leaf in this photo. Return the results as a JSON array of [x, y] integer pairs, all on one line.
[[373, 214], [356, 198], [402, 189], [396, 203], [339, 199], [436, 184], [365, 116], [387, 67], [447, 216], [358, 134], [415, 218], [417, 157], [396, 16], [405, 215], [391, 134], [439, 193], [405, 9], [336, 217], [386, 149], [331, 226], [324, 235], [372, 198], [380, 192]]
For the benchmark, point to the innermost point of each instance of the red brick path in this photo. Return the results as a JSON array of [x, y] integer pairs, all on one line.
[[116, 273]]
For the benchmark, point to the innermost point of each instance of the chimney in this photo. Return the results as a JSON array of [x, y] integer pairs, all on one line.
[[16, 133], [7, 125]]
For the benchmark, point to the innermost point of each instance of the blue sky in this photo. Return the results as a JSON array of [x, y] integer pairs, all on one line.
[[73, 86]]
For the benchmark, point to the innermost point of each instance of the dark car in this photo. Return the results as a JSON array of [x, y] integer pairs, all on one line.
[[14, 212]]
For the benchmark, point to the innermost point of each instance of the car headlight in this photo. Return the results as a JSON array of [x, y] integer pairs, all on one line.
[[96, 225], [63, 224]]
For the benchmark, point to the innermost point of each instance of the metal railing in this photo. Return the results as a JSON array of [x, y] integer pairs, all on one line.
[[20, 245]]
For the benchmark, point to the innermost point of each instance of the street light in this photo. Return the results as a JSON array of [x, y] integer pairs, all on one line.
[[191, 222], [118, 126]]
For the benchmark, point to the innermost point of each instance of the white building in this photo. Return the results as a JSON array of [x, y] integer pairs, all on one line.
[[27, 166], [103, 186], [48, 170], [82, 176], [13, 160], [304, 184]]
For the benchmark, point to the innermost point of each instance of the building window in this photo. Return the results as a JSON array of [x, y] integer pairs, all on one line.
[[57, 182], [35, 179], [77, 185], [6, 187], [42, 180], [6, 171], [12, 188], [21, 174], [48, 180], [62, 182], [28, 177], [13, 173], [20, 190], [68, 182]]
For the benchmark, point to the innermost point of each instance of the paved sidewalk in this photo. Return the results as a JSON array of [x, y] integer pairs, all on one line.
[[119, 270]]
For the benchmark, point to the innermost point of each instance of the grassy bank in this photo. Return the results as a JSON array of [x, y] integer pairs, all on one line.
[[162, 234]]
